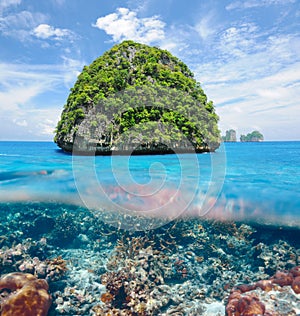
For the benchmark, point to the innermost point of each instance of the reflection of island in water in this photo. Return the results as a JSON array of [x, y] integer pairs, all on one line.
[[254, 136]]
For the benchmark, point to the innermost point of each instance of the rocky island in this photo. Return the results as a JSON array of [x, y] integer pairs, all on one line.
[[254, 136], [137, 99], [230, 136]]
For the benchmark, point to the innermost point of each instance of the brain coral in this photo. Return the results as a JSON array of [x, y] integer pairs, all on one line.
[[26, 295]]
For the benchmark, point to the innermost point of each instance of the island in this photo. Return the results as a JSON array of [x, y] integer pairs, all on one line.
[[137, 99], [230, 136], [254, 136]]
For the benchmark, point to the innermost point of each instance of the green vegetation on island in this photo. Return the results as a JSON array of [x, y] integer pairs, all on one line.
[[141, 97]]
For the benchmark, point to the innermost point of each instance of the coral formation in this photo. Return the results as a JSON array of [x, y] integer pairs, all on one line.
[[24, 295], [282, 278], [19, 257], [22, 254], [246, 305], [274, 257], [244, 301], [130, 289], [296, 285], [295, 271], [56, 268], [50, 269]]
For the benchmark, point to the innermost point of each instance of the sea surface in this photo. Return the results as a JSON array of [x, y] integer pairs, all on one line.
[[245, 181]]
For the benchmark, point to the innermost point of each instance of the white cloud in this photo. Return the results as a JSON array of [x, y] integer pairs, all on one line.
[[140, 6], [177, 39], [239, 40], [30, 124], [124, 24], [21, 83], [21, 122], [22, 87], [206, 26], [46, 31], [19, 25], [25, 25], [46, 126], [23, 19], [253, 59], [7, 3], [257, 3]]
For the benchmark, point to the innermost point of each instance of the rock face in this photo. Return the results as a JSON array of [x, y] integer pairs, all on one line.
[[140, 99]]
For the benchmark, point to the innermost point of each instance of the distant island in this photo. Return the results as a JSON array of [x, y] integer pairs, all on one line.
[[230, 136], [255, 136], [137, 98]]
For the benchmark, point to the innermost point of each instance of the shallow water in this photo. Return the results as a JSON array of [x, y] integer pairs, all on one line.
[[247, 181]]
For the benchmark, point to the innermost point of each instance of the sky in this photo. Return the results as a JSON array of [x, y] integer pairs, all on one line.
[[245, 54]]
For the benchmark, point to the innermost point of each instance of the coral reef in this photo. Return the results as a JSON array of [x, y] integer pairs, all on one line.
[[24, 295], [74, 301], [187, 267], [177, 268]]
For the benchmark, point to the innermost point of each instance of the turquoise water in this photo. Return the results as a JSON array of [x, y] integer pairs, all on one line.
[[257, 182]]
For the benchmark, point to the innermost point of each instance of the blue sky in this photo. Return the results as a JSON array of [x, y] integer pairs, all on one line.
[[244, 53]]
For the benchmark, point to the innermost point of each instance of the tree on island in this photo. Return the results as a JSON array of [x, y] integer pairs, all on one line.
[[255, 136], [230, 136]]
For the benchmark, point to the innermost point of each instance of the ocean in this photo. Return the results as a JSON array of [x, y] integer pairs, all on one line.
[[196, 223]]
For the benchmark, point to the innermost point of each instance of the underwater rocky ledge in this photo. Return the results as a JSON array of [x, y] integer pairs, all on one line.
[[82, 266]]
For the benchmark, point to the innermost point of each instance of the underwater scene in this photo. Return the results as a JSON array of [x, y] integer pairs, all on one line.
[[184, 234]]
